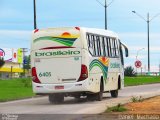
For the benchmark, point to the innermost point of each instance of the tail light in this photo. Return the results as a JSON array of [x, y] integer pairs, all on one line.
[[34, 76], [36, 30], [78, 28], [84, 73]]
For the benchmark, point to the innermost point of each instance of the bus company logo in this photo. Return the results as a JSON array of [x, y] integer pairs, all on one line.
[[38, 54], [115, 65], [2, 53]]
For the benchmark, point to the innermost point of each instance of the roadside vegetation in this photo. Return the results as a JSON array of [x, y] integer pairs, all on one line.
[[117, 108], [141, 80], [136, 99], [137, 106], [20, 88], [132, 79], [15, 89]]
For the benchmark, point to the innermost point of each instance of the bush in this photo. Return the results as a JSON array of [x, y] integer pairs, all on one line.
[[129, 71], [136, 99], [117, 108]]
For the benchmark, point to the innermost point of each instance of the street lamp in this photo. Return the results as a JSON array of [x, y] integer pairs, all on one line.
[[105, 6], [148, 20], [138, 52]]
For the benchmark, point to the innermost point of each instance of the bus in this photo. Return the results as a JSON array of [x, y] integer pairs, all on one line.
[[77, 62]]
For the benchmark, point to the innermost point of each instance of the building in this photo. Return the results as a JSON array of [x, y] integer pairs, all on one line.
[[13, 66]]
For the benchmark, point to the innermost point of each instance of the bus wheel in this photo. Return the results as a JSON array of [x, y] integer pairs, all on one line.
[[90, 97], [56, 98], [99, 95], [114, 93], [77, 98]]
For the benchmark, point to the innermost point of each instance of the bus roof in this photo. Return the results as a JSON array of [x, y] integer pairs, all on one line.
[[84, 29]]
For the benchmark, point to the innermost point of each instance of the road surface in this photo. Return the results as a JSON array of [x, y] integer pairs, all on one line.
[[41, 105]]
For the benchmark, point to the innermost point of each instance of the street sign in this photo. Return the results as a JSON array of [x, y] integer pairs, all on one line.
[[138, 64]]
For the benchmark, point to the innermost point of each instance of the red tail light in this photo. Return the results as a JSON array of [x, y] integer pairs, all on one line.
[[34, 76], [84, 73], [78, 28], [36, 30]]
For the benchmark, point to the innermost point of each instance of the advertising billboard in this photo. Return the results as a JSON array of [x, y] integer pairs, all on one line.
[[12, 54]]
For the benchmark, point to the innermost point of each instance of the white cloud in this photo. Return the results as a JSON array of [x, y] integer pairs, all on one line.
[[15, 38], [19, 34], [139, 36], [136, 48]]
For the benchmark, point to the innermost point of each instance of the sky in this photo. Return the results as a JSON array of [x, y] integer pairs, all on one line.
[[16, 23]]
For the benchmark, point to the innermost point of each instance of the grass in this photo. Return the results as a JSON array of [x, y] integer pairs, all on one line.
[[21, 88], [141, 80], [117, 108], [15, 89]]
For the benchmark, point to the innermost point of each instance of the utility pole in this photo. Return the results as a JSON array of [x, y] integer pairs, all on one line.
[[148, 43], [106, 15], [105, 6], [34, 8]]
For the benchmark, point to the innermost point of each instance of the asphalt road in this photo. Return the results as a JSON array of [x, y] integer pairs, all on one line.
[[41, 105]]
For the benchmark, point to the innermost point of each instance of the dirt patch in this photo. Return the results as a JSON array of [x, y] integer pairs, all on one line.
[[148, 106], [148, 109]]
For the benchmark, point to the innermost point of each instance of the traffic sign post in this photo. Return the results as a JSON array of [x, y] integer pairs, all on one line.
[[138, 64]]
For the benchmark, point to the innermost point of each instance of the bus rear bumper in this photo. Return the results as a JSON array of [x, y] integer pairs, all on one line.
[[59, 88]]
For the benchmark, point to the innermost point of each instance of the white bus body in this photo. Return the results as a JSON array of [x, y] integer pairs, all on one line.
[[76, 61]]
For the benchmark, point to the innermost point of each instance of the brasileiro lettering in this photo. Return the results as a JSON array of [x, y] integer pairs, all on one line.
[[115, 65], [38, 54]]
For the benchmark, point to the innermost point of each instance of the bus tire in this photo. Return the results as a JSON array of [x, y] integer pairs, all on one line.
[[99, 95], [114, 93], [56, 98], [90, 97]]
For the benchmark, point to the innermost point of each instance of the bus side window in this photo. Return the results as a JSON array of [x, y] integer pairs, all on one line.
[[109, 47], [98, 46], [90, 44], [95, 51], [116, 48], [105, 46], [89, 40], [113, 47]]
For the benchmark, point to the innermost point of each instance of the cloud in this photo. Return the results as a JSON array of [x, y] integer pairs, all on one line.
[[139, 36], [136, 48], [19, 34], [15, 38]]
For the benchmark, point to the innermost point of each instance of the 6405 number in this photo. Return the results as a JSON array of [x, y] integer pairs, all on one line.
[[45, 74]]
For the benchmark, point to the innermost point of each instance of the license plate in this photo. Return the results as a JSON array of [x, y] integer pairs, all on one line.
[[59, 87]]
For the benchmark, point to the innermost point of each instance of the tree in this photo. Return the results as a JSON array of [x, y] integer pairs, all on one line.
[[129, 71], [2, 62], [27, 64]]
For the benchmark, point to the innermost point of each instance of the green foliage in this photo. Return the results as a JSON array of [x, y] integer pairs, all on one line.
[[14, 89], [141, 80], [2, 62], [117, 108], [129, 71], [26, 82], [27, 66], [137, 99]]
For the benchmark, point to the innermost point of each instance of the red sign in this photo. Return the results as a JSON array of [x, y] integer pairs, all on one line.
[[2, 53], [138, 64]]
